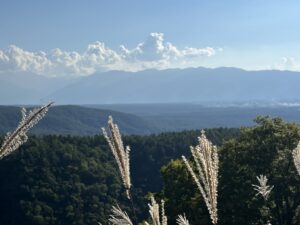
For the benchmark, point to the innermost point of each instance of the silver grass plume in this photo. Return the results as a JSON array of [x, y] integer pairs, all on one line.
[[263, 189], [14, 140], [164, 219], [119, 217], [157, 218], [205, 176], [121, 154], [182, 220], [296, 157]]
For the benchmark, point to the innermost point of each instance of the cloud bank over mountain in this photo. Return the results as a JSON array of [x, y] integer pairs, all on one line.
[[287, 63], [153, 53]]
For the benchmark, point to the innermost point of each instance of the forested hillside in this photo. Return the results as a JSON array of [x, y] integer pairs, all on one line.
[[263, 149], [141, 119], [73, 180], [58, 180], [75, 120]]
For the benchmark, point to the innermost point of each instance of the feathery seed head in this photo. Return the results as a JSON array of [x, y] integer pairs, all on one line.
[[164, 219], [119, 217], [121, 153], [182, 220], [154, 211], [296, 157], [263, 189], [15, 139], [205, 175]]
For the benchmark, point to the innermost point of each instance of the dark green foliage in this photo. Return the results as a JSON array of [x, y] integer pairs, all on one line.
[[58, 180], [74, 180], [181, 194], [262, 149], [150, 153], [74, 120]]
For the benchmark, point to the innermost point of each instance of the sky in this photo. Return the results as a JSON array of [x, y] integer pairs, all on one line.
[[79, 38]]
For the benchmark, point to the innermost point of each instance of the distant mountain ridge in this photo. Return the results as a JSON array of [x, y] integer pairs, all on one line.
[[192, 85], [182, 86], [25, 88], [75, 120], [142, 119]]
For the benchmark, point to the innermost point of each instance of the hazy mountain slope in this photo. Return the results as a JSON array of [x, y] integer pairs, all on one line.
[[28, 88], [177, 117], [212, 117], [144, 119], [75, 120], [152, 86], [13, 94], [186, 85]]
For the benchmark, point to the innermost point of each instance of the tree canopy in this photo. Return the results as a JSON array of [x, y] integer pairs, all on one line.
[[74, 180], [265, 148]]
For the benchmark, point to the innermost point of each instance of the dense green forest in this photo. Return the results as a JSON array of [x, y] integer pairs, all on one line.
[[75, 120], [263, 149], [74, 180]]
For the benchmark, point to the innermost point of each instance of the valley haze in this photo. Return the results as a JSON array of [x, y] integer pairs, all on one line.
[[206, 86], [151, 101]]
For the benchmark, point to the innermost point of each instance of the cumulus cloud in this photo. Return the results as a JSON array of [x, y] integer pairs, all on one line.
[[17, 59], [155, 49], [154, 52], [287, 63]]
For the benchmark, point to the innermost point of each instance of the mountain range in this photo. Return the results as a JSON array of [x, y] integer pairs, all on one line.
[[142, 119], [75, 120], [192, 85]]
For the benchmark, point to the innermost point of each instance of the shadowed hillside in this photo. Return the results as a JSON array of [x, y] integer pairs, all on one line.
[[75, 120]]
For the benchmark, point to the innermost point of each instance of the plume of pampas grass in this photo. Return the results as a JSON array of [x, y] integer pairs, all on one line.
[[157, 218], [119, 217], [182, 220], [263, 189], [205, 176], [296, 157], [121, 153], [154, 211], [14, 140], [164, 219]]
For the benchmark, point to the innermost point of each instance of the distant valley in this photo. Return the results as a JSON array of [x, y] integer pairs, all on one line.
[[151, 101], [143, 119]]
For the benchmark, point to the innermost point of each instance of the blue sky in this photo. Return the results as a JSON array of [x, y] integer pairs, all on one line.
[[256, 34]]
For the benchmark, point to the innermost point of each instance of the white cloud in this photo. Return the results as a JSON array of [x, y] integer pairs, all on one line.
[[17, 59], [287, 63], [152, 53], [155, 49]]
